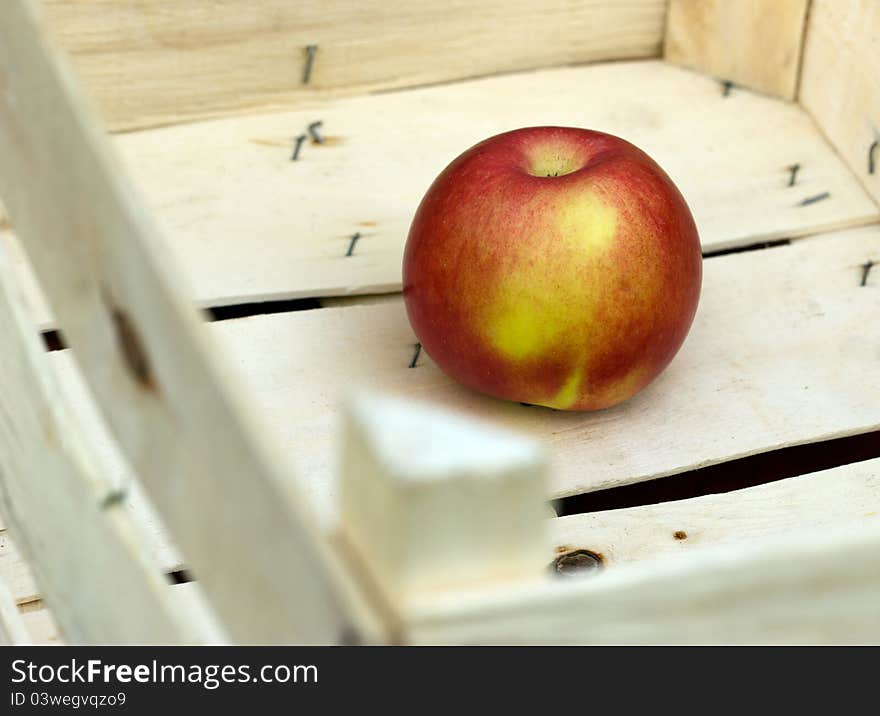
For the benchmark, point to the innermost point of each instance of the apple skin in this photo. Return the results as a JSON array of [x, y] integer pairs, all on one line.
[[573, 290]]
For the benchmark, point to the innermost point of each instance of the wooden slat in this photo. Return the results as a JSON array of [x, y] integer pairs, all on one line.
[[151, 533], [840, 84], [165, 61], [229, 504], [783, 351], [13, 630], [821, 501], [41, 628], [84, 550], [15, 572], [753, 43], [804, 588], [249, 225], [10, 246]]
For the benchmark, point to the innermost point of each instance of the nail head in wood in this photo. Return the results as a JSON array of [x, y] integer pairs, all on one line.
[[866, 269], [114, 497], [415, 358], [814, 199], [313, 132], [310, 60], [354, 239], [297, 146], [576, 563]]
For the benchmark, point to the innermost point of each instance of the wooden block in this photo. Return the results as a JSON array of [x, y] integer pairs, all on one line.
[[822, 502], [224, 493], [162, 61], [761, 369], [753, 43], [840, 85], [431, 501]]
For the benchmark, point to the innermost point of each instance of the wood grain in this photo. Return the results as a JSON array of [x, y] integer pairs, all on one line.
[[783, 351], [164, 61], [840, 85], [753, 43]]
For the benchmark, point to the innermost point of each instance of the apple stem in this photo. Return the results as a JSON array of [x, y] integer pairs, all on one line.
[[872, 166], [726, 87], [794, 168]]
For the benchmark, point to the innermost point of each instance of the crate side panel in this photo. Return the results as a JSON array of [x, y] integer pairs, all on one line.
[[783, 351], [840, 84], [61, 505], [795, 589], [188, 434], [753, 43], [164, 61]]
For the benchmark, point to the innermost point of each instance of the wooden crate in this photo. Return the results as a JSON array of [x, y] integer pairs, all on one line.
[[223, 457]]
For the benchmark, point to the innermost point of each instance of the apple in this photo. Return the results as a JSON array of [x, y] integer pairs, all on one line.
[[553, 266]]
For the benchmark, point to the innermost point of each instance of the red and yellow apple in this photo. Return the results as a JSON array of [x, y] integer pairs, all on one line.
[[553, 266]]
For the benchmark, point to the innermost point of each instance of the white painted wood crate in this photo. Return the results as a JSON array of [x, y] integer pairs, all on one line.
[[160, 444]]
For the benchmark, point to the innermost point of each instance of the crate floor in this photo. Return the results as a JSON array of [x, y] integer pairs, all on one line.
[[248, 224], [783, 351]]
